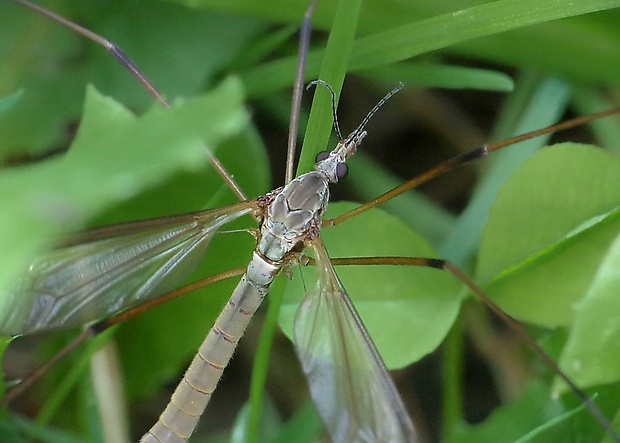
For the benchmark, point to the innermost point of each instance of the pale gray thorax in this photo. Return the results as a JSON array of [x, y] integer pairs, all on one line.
[[292, 213], [299, 206]]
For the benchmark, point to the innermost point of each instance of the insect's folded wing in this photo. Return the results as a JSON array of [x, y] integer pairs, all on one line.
[[348, 381], [107, 270]]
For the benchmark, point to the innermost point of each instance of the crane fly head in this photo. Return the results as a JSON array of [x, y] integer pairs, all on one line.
[[333, 164]]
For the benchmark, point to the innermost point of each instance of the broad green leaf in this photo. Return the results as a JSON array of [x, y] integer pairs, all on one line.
[[181, 53], [532, 410], [592, 353], [115, 156], [6, 103], [547, 232], [305, 426]]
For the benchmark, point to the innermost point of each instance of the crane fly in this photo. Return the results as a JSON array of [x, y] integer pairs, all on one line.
[[61, 213]]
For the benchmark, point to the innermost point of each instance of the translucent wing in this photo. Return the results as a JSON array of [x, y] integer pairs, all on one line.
[[348, 381], [104, 271]]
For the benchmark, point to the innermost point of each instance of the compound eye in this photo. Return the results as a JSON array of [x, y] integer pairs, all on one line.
[[321, 156], [342, 170]]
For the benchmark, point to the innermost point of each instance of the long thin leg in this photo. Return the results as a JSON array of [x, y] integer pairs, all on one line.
[[507, 319], [104, 325], [304, 43], [464, 159], [142, 79]]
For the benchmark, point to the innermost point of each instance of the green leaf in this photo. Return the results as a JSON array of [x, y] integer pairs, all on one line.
[[114, 157], [532, 410], [548, 231], [404, 42], [333, 70], [6, 103], [181, 53], [390, 36], [592, 352], [304, 426], [442, 76]]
